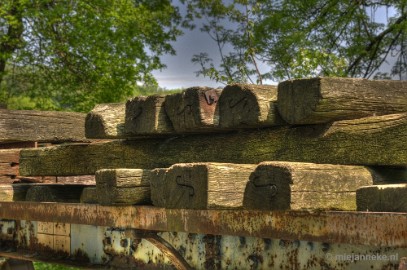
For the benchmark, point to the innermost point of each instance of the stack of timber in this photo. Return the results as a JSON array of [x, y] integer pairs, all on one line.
[[32, 130], [321, 143]]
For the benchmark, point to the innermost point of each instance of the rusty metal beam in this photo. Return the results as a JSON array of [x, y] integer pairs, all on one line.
[[363, 228]]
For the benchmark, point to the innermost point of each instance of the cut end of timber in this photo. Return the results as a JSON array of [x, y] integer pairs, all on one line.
[[246, 105], [146, 115], [200, 185], [105, 121], [123, 186], [269, 188], [55, 193], [297, 99], [89, 195], [296, 185], [382, 198], [13, 192], [194, 110]]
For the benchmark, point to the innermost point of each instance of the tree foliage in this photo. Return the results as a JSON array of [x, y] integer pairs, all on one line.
[[298, 38], [71, 54]]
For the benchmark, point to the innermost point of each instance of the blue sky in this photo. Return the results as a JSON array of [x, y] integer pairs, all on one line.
[[180, 70]]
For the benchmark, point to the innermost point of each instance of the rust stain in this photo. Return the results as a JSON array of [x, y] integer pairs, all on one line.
[[365, 228]]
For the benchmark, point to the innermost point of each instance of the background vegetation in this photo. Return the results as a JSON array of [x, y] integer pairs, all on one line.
[[47, 266], [295, 38], [72, 54]]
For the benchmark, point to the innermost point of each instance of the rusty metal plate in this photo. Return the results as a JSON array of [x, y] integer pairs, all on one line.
[[104, 247], [62, 229], [45, 227], [55, 236], [46, 240], [364, 228], [7, 230]]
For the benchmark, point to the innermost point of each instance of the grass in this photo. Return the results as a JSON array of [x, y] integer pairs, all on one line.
[[48, 266]]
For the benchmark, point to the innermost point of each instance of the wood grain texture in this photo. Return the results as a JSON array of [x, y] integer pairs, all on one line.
[[9, 169], [13, 192], [123, 186], [248, 106], [293, 185], [380, 140], [10, 156], [201, 185], [106, 121], [382, 198], [158, 186], [9, 159], [323, 100], [41, 126], [146, 115], [193, 110], [18, 145], [54, 193], [5, 179], [35, 179], [12, 179], [78, 179]]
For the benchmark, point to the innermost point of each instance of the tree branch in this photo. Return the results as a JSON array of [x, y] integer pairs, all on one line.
[[12, 42], [375, 42]]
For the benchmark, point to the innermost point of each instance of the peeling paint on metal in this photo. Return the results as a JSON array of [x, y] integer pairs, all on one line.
[[367, 228]]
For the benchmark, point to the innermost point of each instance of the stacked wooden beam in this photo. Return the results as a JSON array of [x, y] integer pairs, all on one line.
[[200, 185], [312, 143], [123, 186], [34, 129]]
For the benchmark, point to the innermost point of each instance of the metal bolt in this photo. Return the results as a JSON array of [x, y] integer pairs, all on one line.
[[124, 243], [310, 245], [325, 247], [107, 241]]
